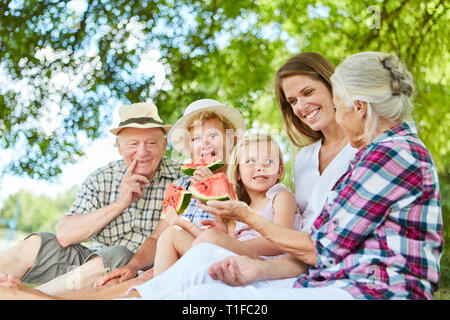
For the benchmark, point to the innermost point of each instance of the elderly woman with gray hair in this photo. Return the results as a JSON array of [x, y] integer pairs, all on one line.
[[379, 235]]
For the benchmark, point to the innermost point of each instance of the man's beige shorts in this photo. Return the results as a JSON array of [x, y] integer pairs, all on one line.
[[53, 260]]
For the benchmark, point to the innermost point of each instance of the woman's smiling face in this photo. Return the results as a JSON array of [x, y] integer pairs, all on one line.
[[310, 100]]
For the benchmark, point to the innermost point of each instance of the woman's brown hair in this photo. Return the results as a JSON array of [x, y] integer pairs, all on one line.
[[310, 64]]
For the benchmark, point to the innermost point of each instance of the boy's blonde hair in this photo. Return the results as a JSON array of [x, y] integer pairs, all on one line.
[[233, 166], [207, 115], [227, 126]]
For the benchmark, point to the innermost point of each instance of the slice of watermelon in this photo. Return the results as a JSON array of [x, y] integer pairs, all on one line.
[[231, 191], [213, 163], [216, 187], [176, 197]]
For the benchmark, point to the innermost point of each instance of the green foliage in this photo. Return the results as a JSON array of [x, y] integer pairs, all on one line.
[[65, 65], [74, 61], [77, 60], [37, 213]]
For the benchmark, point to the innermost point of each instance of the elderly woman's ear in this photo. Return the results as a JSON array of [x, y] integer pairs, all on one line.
[[361, 108]]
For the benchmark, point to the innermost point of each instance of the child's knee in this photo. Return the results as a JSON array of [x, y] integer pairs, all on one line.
[[209, 236], [168, 236]]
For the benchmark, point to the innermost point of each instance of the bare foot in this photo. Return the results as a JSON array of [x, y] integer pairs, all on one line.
[[12, 288], [10, 281], [237, 270], [147, 275]]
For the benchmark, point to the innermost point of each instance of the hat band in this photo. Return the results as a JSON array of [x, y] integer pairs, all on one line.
[[142, 120]]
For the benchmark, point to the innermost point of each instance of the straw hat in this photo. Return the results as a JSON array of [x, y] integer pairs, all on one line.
[[178, 135], [139, 115]]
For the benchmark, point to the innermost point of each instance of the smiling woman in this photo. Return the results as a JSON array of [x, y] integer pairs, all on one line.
[[304, 96], [315, 67], [310, 100]]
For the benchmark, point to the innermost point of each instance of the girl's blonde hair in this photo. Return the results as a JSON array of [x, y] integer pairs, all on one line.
[[233, 166]]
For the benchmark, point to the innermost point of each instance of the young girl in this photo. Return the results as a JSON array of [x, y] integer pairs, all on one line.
[[256, 169]]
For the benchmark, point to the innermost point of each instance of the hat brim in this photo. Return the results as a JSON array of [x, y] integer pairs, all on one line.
[[166, 128], [179, 137]]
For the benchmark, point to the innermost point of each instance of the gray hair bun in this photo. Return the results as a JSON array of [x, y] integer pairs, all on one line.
[[401, 82]]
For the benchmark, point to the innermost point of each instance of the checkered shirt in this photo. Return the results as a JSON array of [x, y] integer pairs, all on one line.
[[379, 235], [192, 212], [137, 222]]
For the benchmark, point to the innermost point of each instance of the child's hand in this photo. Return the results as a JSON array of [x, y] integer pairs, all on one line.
[[201, 174], [171, 216], [226, 210], [213, 224]]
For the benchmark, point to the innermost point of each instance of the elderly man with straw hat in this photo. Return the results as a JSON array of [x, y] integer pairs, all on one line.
[[118, 206]]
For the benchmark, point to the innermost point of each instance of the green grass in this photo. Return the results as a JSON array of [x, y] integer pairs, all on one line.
[[442, 294], [444, 282]]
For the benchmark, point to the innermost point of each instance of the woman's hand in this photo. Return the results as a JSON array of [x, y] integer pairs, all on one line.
[[237, 270], [227, 210]]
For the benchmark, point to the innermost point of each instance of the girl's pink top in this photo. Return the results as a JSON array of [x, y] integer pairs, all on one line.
[[244, 232]]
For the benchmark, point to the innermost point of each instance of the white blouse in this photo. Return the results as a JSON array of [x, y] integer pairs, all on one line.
[[311, 188]]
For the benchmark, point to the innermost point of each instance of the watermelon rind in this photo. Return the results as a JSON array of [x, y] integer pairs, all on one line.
[[213, 184], [189, 171], [205, 199], [187, 196], [215, 165]]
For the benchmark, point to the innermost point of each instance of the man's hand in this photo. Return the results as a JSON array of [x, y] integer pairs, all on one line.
[[131, 187], [237, 270], [122, 274]]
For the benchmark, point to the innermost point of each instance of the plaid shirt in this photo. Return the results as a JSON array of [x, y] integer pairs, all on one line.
[[192, 212], [137, 222], [379, 235]]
